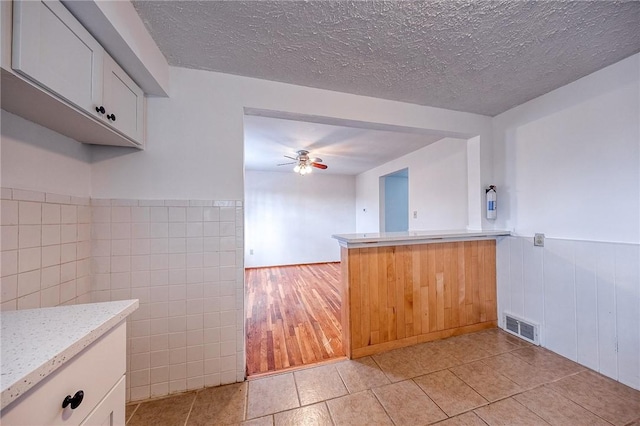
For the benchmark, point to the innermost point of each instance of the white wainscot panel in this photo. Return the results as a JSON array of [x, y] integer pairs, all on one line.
[[605, 275], [533, 283], [559, 298], [516, 280], [502, 277], [628, 320], [586, 256], [585, 296]]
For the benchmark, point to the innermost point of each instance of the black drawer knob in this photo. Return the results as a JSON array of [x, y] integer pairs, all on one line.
[[75, 401], [100, 109], [111, 117]]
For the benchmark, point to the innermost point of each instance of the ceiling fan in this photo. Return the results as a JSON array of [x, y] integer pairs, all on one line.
[[303, 163]]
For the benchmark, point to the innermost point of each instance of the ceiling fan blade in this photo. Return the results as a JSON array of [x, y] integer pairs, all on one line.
[[286, 164], [288, 156], [316, 160], [319, 166]]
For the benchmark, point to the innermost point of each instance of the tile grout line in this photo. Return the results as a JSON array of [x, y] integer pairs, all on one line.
[[574, 401], [246, 403], [427, 395], [295, 384], [382, 405], [528, 409], [126, 421], [186, 420]]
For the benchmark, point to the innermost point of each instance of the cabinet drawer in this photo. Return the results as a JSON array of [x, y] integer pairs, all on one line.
[[95, 371], [110, 411]]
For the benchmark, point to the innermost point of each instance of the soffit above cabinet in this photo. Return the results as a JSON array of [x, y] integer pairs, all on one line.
[[119, 29]]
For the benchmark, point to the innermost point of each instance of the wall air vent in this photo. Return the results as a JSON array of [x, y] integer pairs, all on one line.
[[524, 329]]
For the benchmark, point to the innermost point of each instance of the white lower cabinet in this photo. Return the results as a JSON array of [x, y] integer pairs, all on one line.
[[98, 371], [110, 411]]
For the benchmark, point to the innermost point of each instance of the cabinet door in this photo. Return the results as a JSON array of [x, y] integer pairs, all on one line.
[[123, 101], [110, 411], [54, 50]]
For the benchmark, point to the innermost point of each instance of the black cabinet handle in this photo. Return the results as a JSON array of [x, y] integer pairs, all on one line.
[[75, 401], [100, 109], [111, 117]]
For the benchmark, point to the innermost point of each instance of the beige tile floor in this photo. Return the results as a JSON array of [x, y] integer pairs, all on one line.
[[482, 378]]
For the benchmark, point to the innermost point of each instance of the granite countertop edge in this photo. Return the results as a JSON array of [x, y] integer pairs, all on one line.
[[416, 235], [18, 386]]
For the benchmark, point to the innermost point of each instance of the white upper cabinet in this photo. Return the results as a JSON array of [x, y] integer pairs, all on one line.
[[123, 100], [53, 49]]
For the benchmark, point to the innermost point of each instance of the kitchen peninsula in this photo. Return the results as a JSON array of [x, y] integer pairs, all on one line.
[[403, 288]]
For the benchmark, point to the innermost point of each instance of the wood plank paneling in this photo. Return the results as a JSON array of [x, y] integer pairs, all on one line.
[[411, 293], [345, 313]]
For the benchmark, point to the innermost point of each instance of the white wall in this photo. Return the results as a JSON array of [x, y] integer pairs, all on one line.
[[568, 165], [195, 142], [437, 188], [195, 137], [289, 219], [39, 159], [193, 157]]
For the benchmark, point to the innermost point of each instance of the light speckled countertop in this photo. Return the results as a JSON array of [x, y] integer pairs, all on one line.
[[36, 342], [371, 239]]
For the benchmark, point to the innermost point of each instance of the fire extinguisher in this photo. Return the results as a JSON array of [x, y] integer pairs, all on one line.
[[491, 202]]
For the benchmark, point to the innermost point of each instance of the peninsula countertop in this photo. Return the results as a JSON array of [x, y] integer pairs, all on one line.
[[372, 239], [36, 342]]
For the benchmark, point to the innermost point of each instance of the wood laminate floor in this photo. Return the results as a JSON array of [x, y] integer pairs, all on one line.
[[293, 316]]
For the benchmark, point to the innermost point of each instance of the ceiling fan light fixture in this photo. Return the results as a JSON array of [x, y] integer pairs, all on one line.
[[302, 169], [303, 164]]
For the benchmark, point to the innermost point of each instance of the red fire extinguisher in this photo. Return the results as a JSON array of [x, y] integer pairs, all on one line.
[[491, 202]]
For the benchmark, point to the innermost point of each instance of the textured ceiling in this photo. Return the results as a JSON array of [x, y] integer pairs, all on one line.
[[346, 150], [480, 56]]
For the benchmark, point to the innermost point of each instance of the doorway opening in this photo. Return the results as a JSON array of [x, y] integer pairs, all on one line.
[[293, 317], [289, 220], [394, 201]]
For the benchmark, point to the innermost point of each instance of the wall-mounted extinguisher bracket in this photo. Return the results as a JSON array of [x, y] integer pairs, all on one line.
[[490, 194]]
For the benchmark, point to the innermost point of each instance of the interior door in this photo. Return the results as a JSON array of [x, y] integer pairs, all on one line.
[[395, 202]]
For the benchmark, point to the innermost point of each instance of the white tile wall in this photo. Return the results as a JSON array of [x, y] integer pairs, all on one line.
[[46, 249], [585, 295], [183, 260]]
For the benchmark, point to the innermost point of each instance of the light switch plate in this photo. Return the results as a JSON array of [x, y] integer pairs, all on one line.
[[538, 240]]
